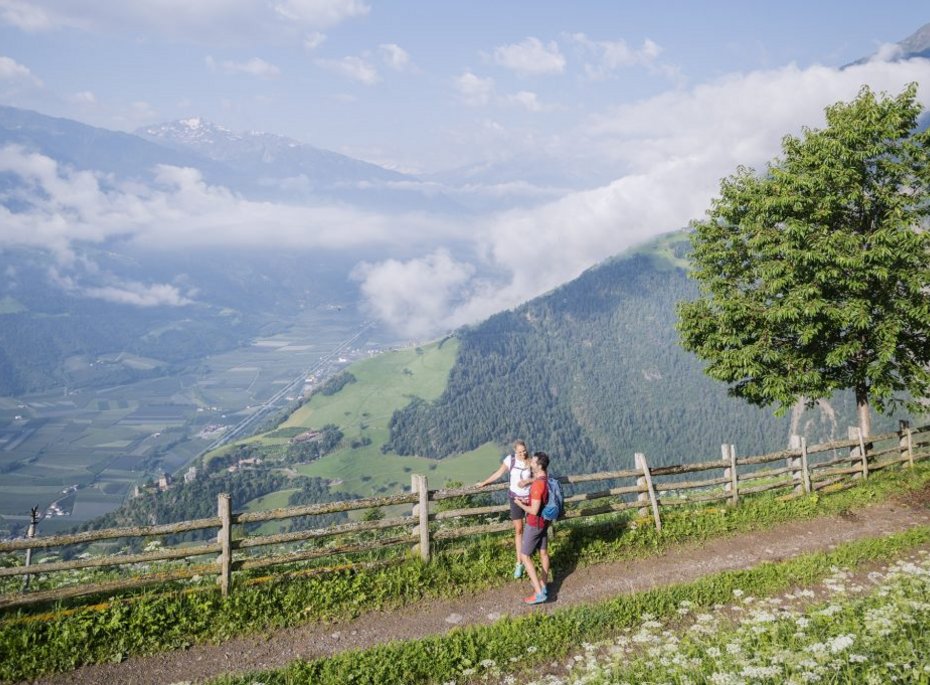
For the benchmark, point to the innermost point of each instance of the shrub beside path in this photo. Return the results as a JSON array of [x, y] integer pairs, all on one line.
[[681, 564]]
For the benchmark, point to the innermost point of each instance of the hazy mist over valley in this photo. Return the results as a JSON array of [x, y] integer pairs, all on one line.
[[209, 211]]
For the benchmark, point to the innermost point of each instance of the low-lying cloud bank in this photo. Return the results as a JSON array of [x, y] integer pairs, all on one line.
[[672, 149], [675, 148]]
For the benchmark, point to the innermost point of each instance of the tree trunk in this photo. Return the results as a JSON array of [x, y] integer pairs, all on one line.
[[863, 412]]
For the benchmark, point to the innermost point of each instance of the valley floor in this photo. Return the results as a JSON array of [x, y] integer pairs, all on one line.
[[572, 586]]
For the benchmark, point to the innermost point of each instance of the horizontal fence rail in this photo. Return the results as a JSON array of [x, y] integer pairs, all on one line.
[[799, 470]]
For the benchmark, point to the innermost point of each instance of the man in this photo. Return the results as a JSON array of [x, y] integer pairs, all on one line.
[[534, 532]]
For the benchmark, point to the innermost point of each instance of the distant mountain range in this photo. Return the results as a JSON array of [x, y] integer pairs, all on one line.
[[915, 45], [257, 165], [265, 154], [286, 169]]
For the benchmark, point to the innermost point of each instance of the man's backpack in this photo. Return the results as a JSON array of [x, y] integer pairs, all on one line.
[[555, 504]]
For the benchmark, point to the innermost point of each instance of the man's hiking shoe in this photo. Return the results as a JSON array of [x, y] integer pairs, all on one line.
[[545, 591], [538, 598], [518, 571]]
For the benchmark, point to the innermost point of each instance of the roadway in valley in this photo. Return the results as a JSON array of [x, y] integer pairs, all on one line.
[[272, 403]]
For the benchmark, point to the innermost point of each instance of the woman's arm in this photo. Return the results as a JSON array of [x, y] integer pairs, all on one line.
[[493, 477]]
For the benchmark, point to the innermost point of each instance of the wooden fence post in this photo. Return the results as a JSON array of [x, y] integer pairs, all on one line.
[[800, 472], [224, 538], [419, 485], [728, 453], [862, 450], [33, 522], [907, 446], [646, 478], [794, 463], [805, 469]]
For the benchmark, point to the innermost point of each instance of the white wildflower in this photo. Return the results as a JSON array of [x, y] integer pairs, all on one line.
[[841, 643], [760, 671]]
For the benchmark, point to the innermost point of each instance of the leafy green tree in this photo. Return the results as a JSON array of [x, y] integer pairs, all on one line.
[[815, 276]]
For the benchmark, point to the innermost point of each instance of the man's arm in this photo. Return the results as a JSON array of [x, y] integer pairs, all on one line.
[[532, 508]]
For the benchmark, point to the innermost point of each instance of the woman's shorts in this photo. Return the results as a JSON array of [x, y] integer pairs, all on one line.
[[534, 538], [516, 513]]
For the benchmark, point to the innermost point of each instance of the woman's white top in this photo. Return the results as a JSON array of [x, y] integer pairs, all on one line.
[[520, 471]]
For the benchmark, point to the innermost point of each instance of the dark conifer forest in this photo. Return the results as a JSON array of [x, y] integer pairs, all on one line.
[[592, 373]]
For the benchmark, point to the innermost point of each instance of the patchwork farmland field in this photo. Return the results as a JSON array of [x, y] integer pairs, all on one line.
[[104, 440]]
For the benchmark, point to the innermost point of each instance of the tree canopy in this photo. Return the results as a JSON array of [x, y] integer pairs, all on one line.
[[815, 276]]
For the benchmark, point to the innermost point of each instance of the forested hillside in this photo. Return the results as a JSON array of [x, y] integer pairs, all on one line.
[[592, 372]]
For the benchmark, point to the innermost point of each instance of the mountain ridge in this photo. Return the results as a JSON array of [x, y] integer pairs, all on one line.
[[594, 369]]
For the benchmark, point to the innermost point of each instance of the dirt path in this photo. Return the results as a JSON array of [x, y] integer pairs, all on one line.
[[584, 585]]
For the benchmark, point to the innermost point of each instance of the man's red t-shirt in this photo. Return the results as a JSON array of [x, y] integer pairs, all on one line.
[[538, 490]]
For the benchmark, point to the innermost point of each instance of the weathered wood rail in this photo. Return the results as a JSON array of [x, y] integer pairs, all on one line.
[[802, 469]]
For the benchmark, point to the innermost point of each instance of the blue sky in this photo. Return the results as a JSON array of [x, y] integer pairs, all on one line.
[[592, 125], [413, 85]]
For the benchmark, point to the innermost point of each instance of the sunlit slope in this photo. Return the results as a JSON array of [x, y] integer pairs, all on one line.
[[363, 409]]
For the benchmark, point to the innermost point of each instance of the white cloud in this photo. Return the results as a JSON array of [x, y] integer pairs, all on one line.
[[613, 55], [11, 70], [415, 296], [474, 90], [66, 207], [25, 15], [886, 53], [201, 22], [253, 67], [395, 56], [84, 97], [355, 68], [122, 291], [314, 40], [321, 13], [527, 99], [531, 57], [676, 147]]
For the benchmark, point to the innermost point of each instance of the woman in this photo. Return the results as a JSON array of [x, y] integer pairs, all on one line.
[[521, 476]]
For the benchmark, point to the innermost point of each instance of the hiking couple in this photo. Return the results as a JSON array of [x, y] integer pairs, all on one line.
[[528, 494]]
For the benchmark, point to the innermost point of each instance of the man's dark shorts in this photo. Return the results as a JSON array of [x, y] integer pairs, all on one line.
[[534, 538]]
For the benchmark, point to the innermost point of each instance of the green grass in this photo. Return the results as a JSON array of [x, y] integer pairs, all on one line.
[[273, 500], [363, 411], [847, 637], [363, 471], [541, 638], [384, 384], [73, 634]]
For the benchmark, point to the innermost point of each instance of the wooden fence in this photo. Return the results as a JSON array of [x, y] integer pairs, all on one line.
[[801, 469]]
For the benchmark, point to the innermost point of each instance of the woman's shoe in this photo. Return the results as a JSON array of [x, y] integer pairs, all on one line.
[[538, 598]]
